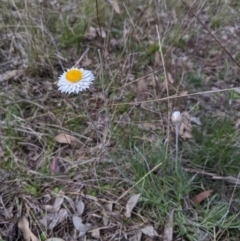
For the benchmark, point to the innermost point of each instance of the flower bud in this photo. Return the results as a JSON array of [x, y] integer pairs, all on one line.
[[176, 117]]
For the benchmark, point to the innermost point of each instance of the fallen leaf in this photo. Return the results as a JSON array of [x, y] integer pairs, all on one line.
[[168, 229], [101, 32], [237, 124], [142, 90], [86, 62], [48, 208], [186, 135], [196, 120], [57, 203], [157, 60], [149, 231], [106, 217], [55, 168], [82, 228], [115, 6], [185, 129], [66, 139], [137, 236], [184, 93], [92, 33], [170, 78], [201, 196], [80, 207], [131, 204], [109, 207], [57, 218], [96, 234], [23, 225]]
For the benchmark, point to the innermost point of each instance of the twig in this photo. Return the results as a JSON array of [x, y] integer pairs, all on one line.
[[214, 176], [82, 56], [198, 19]]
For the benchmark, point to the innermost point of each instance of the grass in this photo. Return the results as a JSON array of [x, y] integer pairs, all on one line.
[[123, 148]]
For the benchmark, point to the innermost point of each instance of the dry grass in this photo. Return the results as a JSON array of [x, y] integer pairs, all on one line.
[[123, 137]]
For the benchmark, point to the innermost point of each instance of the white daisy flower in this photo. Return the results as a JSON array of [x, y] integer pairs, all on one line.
[[75, 80]]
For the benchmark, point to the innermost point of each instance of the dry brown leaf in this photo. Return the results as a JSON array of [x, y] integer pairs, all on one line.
[[115, 6], [55, 167], [142, 90], [201, 196], [168, 229], [131, 204], [66, 139], [23, 225]]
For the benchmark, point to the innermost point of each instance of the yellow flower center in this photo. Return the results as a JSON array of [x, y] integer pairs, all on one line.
[[74, 75]]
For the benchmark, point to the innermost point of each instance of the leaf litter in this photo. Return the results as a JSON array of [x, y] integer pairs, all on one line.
[[64, 138], [80, 207], [82, 228], [168, 228], [76, 186], [149, 231], [23, 225], [115, 6], [197, 199], [131, 203]]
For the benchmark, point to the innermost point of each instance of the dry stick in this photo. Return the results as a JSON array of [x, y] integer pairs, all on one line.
[[166, 80], [198, 19], [89, 117], [175, 96], [82, 56], [214, 176], [141, 179]]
